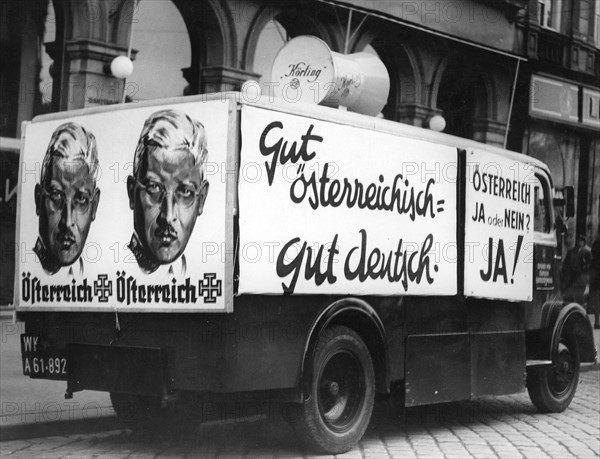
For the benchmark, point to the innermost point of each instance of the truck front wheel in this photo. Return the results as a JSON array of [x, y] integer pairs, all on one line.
[[551, 388], [337, 409]]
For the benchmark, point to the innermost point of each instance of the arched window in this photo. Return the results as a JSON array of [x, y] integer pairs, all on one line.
[[161, 39], [465, 96], [273, 28], [456, 99], [403, 92], [270, 40], [390, 110]]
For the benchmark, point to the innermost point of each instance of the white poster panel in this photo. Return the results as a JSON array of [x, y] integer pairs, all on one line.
[[335, 209], [498, 227], [125, 210]]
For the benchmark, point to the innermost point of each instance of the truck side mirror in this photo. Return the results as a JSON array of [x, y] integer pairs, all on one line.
[[569, 201]]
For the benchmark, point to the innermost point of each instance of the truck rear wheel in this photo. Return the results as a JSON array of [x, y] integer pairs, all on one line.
[[338, 407], [551, 388]]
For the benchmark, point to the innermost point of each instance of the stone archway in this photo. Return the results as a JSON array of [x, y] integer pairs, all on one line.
[[213, 38], [86, 46], [405, 96], [466, 96], [89, 34], [291, 19], [456, 99]]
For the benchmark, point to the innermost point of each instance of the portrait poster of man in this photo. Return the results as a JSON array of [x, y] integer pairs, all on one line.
[[125, 210], [167, 189], [66, 199]]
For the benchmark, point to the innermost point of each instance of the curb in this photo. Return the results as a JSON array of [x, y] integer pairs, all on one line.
[[589, 367], [92, 425]]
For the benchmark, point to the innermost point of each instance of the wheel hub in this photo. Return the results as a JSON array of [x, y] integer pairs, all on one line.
[[334, 388], [563, 374], [341, 391]]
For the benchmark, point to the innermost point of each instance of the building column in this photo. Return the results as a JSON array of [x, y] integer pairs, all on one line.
[[417, 115], [86, 80], [94, 32], [489, 131], [219, 78]]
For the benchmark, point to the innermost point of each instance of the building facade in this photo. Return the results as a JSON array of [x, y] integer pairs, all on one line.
[[518, 73], [557, 113]]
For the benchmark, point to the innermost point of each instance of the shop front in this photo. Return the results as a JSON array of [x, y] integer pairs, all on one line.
[[564, 132]]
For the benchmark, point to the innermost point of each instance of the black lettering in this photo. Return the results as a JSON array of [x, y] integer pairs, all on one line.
[[26, 287], [280, 152], [326, 192], [396, 266], [487, 275], [283, 269], [500, 267]]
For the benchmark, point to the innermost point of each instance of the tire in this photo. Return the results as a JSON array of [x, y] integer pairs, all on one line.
[[551, 388], [337, 409]]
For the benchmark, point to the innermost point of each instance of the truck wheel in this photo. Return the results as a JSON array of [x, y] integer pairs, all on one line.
[[135, 411], [551, 388], [337, 409]]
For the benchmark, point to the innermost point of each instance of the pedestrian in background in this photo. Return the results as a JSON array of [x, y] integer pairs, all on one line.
[[593, 306], [574, 272]]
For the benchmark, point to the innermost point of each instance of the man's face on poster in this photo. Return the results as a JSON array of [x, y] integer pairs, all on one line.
[[167, 196], [66, 204]]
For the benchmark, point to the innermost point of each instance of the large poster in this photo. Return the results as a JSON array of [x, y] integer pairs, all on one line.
[[125, 209], [336, 209], [499, 227]]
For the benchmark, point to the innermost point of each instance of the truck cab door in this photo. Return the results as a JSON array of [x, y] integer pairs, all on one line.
[[546, 257]]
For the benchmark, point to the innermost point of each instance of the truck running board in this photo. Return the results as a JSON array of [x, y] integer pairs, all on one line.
[[537, 363]]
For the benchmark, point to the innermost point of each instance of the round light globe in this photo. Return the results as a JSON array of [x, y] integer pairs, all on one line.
[[121, 67], [437, 123]]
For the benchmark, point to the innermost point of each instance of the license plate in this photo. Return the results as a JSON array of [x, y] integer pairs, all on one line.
[[41, 361]]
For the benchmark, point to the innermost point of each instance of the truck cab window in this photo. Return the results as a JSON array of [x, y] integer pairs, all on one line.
[[541, 212]]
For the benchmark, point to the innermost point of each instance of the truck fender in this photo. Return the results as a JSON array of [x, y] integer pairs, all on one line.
[[558, 317], [362, 318]]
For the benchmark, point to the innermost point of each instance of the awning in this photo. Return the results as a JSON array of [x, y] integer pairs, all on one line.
[[481, 24]]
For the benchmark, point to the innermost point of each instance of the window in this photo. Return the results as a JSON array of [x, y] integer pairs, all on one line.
[[549, 14], [597, 22], [585, 10], [541, 211], [271, 39], [161, 38]]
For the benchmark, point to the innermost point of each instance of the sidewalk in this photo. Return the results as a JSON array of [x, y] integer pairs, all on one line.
[[31, 405]]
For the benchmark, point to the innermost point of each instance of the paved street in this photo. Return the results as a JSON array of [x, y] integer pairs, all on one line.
[[507, 427]]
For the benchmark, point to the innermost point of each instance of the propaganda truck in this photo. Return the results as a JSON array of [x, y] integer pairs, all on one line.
[[227, 246]]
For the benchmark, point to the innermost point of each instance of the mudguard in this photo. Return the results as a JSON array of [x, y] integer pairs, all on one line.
[[557, 317], [361, 317]]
